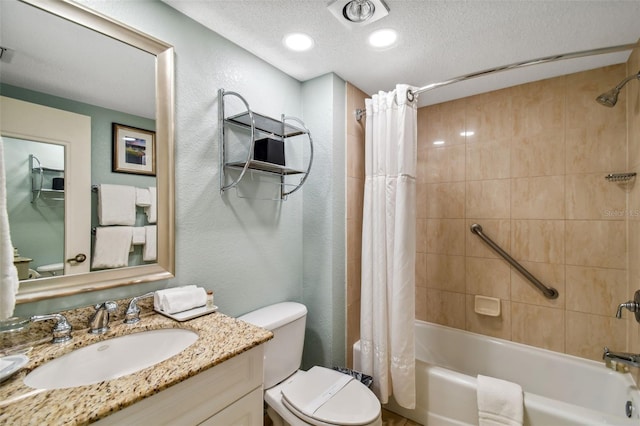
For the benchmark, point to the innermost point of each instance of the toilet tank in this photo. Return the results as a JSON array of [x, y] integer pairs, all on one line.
[[283, 353]]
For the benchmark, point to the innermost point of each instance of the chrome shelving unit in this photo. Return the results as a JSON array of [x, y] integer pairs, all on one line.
[[37, 180], [259, 124]]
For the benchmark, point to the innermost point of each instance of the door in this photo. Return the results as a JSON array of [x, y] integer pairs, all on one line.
[[24, 120]]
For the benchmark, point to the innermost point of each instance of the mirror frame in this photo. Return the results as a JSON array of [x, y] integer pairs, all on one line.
[[67, 285]]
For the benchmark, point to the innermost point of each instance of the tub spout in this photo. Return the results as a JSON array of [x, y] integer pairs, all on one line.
[[625, 358]]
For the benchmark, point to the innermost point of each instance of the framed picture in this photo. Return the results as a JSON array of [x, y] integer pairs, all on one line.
[[134, 150]]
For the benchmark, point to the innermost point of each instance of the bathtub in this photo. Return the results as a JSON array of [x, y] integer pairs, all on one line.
[[558, 389]]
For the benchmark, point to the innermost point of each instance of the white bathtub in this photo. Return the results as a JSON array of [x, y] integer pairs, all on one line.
[[559, 389]]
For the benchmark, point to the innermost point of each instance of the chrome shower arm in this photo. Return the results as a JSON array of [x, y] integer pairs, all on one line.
[[628, 79]]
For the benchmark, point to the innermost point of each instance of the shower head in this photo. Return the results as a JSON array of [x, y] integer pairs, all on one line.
[[610, 98]]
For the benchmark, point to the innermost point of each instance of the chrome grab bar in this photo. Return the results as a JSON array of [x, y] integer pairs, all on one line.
[[549, 292]]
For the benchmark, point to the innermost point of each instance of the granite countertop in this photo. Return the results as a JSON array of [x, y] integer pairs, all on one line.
[[220, 338]]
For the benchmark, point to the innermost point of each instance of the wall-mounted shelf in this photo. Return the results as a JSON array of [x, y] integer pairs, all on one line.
[[38, 172], [265, 124], [263, 166], [257, 124]]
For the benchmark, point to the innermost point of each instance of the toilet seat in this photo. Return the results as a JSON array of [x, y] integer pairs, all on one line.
[[50, 268], [323, 396]]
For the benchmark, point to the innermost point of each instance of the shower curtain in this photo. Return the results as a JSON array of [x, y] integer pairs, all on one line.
[[388, 246]]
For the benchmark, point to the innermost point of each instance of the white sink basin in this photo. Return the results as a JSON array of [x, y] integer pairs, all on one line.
[[110, 359]]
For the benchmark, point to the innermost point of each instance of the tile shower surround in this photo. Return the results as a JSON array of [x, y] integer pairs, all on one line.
[[532, 175]]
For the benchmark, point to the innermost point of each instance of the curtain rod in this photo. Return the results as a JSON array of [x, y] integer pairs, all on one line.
[[411, 94]]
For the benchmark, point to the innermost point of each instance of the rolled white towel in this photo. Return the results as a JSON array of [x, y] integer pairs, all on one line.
[[181, 299], [158, 295]]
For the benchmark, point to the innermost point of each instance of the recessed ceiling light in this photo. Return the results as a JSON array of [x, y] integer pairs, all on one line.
[[298, 42], [358, 10], [356, 13], [383, 38]]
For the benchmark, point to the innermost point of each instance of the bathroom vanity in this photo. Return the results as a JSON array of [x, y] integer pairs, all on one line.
[[216, 380]]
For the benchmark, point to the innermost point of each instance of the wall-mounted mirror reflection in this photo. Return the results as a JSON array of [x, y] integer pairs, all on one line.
[[35, 204], [109, 78]]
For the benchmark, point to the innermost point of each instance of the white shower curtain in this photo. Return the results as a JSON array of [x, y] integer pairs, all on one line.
[[388, 246]]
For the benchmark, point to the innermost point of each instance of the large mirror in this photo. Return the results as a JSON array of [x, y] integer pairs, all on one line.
[[63, 59]]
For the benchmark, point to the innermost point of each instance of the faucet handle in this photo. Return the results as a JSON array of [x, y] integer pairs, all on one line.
[[109, 306], [132, 315], [631, 305], [62, 329]]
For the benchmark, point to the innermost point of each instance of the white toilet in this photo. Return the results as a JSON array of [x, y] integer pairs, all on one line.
[[52, 270], [319, 396]]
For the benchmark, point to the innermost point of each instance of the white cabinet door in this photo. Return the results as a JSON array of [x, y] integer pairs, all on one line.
[[244, 412], [196, 399]]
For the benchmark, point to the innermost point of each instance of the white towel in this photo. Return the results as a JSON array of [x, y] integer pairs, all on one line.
[[139, 235], [116, 205], [8, 273], [157, 305], [499, 402], [151, 209], [150, 251], [143, 197], [181, 299], [111, 248]]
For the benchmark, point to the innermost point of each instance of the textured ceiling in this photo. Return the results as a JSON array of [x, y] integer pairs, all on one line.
[[438, 40]]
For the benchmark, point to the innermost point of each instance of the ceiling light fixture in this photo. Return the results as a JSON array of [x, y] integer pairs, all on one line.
[[354, 13], [298, 42], [358, 10], [383, 38]]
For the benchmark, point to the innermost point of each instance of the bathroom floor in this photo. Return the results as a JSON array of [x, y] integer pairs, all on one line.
[[388, 419], [393, 419]]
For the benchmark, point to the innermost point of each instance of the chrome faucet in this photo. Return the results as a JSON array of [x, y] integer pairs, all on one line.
[[132, 315], [625, 358], [99, 321], [62, 329]]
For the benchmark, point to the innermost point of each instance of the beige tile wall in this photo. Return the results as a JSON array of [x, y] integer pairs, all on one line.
[[355, 194], [532, 175]]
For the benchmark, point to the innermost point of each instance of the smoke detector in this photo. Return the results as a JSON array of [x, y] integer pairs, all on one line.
[[358, 12]]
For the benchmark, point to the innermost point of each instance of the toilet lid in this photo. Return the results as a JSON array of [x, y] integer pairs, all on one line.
[[330, 397]]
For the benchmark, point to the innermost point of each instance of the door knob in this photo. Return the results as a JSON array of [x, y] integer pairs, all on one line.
[[79, 258]]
